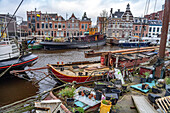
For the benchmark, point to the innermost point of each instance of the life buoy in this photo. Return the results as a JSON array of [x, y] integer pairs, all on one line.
[[111, 62]]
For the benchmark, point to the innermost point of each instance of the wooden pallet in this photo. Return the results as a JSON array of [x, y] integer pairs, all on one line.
[[142, 105], [163, 104]]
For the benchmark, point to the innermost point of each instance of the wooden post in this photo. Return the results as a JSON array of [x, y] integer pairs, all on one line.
[[163, 39], [117, 60]]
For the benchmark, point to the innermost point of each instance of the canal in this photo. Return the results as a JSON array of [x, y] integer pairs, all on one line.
[[15, 89]]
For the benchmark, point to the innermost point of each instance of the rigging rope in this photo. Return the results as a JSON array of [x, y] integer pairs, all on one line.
[[12, 17]]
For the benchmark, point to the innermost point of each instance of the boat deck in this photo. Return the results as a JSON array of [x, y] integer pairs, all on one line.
[[82, 70]]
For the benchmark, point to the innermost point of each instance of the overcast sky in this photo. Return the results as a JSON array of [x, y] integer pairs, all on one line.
[[93, 8]]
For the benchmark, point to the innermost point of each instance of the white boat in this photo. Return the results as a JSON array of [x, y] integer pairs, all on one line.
[[152, 40], [133, 42], [11, 57]]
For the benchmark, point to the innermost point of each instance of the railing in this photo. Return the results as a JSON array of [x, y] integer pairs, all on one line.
[[10, 54]]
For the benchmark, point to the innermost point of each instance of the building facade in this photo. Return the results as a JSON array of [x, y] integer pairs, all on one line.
[[155, 28], [12, 27], [120, 24], [140, 22], [52, 25]]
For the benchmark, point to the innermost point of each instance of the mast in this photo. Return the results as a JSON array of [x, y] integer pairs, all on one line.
[[160, 62]]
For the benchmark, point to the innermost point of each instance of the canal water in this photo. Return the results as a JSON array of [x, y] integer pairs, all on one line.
[[15, 89]]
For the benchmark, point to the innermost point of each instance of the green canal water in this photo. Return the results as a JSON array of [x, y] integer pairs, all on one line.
[[15, 89]]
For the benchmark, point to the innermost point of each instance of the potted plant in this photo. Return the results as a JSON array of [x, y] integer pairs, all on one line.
[[154, 89], [149, 79], [105, 106], [79, 110], [167, 82], [67, 93], [142, 79], [159, 86], [124, 86]]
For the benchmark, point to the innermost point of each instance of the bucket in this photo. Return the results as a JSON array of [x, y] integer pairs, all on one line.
[[105, 108]]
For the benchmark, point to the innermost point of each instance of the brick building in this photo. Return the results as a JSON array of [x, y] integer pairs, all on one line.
[[52, 25], [120, 24], [140, 22]]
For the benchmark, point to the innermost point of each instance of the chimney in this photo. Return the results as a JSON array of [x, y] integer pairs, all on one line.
[[118, 10]]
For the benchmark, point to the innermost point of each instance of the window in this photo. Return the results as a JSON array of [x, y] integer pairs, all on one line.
[[38, 18], [158, 29], [46, 25], [69, 25], [136, 28], [85, 26], [75, 33], [63, 25], [62, 34], [77, 25], [33, 17], [55, 26], [67, 33], [38, 25], [29, 18], [154, 29], [42, 25], [72, 25], [29, 25], [82, 26], [57, 33], [46, 19], [51, 25], [59, 25], [150, 29], [59, 19]]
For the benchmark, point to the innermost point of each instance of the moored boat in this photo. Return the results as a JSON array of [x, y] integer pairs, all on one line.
[[93, 39], [11, 57], [133, 42]]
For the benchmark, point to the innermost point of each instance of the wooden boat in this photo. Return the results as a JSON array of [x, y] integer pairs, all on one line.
[[93, 39], [78, 71], [11, 57]]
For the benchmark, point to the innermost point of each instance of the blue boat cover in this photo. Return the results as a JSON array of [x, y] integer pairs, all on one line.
[[139, 86]]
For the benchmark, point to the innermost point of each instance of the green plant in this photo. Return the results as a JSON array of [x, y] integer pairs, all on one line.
[[81, 110], [106, 102], [67, 92], [147, 74], [167, 80], [100, 83]]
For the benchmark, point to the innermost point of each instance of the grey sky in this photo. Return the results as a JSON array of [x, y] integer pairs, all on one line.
[[78, 7]]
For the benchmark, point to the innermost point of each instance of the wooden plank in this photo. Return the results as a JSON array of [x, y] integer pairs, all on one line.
[[142, 105]]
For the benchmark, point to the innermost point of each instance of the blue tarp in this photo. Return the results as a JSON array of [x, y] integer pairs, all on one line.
[[139, 86]]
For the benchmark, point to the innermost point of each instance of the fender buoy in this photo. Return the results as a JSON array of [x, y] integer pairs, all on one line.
[[111, 62]]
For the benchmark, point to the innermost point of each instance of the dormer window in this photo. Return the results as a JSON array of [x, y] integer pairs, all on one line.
[[59, 19]]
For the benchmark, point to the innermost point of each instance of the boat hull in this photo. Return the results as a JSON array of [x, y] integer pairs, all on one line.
[[61, 78], [17, 63], [141, 44], [72, 45]]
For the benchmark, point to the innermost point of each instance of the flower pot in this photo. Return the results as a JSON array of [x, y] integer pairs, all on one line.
[[142, 80], [105, 108], [113, 97], [116, 91], [143, 86], [94, 97], [98, 95], [149, 79], [167, 92], [159, 86], [154, 90], [79, 92], [70, 102], [124, 87], [89, 96], [82, 94]]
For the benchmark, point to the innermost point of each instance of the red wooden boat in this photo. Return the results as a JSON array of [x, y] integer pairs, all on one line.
[[79, 73]]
